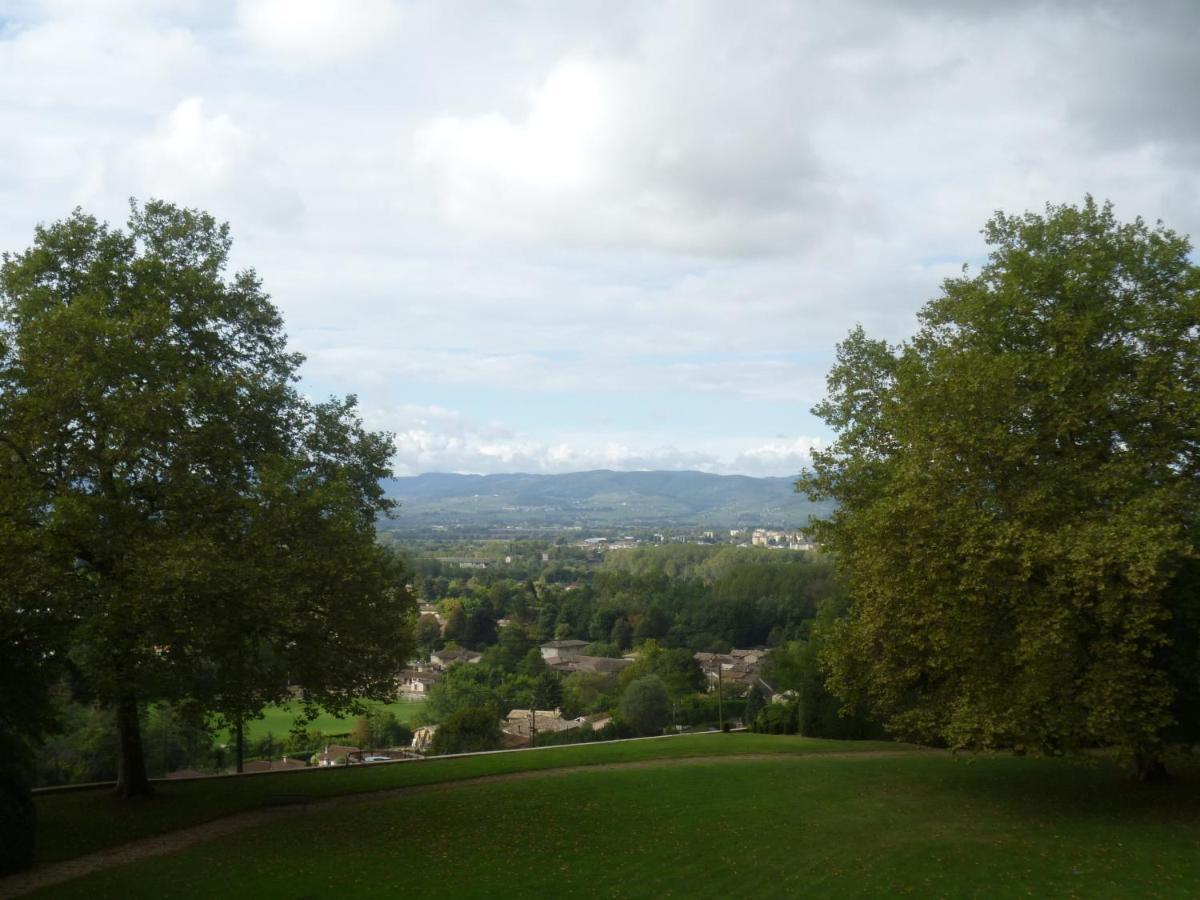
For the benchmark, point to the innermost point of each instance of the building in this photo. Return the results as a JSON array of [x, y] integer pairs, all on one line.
[[519, 721], [444, 659], [562, 650], [338, 755], [738, 669], [414, 685], [600, 665]]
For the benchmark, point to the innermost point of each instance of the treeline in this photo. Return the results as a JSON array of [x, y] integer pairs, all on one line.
[[697, 597]]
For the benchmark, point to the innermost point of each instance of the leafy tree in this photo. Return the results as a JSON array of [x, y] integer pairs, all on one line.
[[677, 669], [469, 730], [588, 692], [622, 634], [645, 705], [480, 630], [754, 704], [463, 687], [1018, 493], [203, 533], [429, 632], [360, 734], [512, 647], [456, 621]]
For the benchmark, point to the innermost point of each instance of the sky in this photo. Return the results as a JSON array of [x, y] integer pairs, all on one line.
[[546, 237]]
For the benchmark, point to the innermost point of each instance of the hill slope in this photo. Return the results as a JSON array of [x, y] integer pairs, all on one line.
[[601, 497]]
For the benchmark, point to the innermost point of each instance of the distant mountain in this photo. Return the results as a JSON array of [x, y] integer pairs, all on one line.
[[600, 498]]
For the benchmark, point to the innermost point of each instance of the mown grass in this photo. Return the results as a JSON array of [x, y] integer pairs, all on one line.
[[279, 720], [817, 827], [74, 823]]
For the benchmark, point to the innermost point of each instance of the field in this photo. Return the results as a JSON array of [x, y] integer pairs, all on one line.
[[277, 720], [712, 815]]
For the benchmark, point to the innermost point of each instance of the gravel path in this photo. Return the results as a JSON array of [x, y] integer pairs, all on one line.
[[145, 848]]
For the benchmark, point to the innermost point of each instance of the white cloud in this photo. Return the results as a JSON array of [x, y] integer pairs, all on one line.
[[630, 153], [433, 438], [635, 208], [209, 160], [300, 32]]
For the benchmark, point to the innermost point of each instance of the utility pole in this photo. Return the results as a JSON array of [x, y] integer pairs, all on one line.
[[532, 727], [720, 694]]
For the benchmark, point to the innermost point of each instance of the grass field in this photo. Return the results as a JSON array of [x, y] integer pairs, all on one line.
[[278, 720], [74, 823], [874, 824]]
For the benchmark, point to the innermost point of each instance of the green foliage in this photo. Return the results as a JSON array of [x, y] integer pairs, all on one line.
[[676, 668], [429, 633], [707, 709], [754, 704], [584, 693], [196, 531], [645, 705], [468, 731], [778, 718], [1018, 495]]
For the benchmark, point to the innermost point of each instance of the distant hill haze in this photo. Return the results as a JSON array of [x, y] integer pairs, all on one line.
[[601, 498]]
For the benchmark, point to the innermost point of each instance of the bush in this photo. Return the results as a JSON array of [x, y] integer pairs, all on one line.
[[777, 718], [645, 706], [469, 730]]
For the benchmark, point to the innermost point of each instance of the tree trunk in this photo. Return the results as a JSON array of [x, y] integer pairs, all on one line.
[[1149, 767], [240, 735], [131, 767]]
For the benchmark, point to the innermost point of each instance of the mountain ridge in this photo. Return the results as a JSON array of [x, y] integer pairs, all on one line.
[[601, 497]]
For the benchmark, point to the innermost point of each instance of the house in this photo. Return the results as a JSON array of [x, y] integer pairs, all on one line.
[[599, 665], [597, 720], [444, 659], [519, 721], [562, 650], [423, 738], [337, 755], [738, 669], [415, 685]]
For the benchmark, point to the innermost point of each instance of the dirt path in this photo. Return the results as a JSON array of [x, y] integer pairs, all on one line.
[[145, 848]]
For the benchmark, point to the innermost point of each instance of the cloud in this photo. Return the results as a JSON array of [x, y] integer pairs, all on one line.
[[300, 32], [631, 153], [432, 438], [504, 226], [209, 160]]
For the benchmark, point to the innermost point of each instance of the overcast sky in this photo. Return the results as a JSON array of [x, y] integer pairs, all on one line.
[[568, 235]]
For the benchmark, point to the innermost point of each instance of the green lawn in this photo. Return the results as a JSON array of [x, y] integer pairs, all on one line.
[[878, 825], [278, 720], [71, 824]]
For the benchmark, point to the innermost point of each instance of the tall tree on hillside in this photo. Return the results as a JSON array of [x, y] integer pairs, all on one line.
[[1018, 494], [208, 532]]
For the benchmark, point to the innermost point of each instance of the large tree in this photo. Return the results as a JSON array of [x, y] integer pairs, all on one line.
[[1018, 492], [205, 533]]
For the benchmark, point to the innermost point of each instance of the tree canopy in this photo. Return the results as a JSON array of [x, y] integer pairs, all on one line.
[[1018, 492], [200, 532]]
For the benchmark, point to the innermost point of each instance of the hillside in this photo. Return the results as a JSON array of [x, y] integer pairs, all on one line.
[[697, 816], [601, 498]]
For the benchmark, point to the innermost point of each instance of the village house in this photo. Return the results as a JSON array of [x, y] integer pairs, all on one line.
[[444, 659], [555, 650], [337, 755], [600, 665], [738, 669], [596, 720], [413, 684], [519, 721]]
